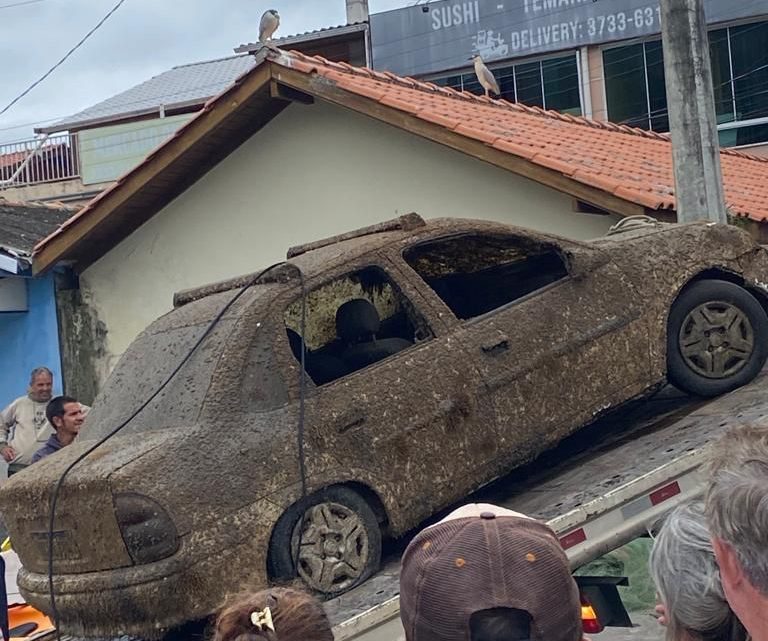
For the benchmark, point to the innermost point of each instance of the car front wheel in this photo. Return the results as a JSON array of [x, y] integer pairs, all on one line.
[[717, 338], [331, 540]]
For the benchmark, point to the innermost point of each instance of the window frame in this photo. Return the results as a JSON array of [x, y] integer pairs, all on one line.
[[729, 125], [327, 279], [514, 64], [436, 298]]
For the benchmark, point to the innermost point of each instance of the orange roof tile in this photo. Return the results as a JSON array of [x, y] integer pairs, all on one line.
[[633, 164]]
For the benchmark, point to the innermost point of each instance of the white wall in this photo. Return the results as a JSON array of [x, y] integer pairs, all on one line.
[[312, 172]]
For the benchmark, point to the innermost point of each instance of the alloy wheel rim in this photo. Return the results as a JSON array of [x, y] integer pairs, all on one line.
[[333, 551], [716, 339]]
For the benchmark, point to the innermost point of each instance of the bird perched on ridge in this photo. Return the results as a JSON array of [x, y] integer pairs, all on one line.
[[485, 76], [270, 21]]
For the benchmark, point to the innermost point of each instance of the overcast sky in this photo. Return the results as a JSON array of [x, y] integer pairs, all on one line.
[[142, 39]]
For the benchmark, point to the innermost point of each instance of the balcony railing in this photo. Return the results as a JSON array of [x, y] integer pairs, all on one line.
[[41, 160]]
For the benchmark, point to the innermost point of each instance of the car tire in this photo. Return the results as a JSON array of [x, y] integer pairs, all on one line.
[[717, 338], [341, 542]]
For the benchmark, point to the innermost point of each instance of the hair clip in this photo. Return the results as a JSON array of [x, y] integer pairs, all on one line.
[[263, 618]]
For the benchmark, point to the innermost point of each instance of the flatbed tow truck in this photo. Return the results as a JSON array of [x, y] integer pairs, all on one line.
[[601, 488], [605, 486]]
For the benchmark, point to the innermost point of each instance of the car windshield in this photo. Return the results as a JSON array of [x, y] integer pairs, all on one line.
[[151, 359]]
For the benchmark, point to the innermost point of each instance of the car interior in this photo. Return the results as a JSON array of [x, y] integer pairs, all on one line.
[[474, 275], [353, 322]]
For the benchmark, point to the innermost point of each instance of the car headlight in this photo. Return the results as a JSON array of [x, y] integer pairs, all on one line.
[[148, 531]]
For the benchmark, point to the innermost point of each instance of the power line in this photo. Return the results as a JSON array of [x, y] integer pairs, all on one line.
[[20, 4], [60, 62]]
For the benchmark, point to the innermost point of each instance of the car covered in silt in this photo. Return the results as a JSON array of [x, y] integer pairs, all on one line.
[[437, 357]]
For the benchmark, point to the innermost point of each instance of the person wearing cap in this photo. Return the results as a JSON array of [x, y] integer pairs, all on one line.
[[485, 573]]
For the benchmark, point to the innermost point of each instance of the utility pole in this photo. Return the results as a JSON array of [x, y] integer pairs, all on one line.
[[690, 100]]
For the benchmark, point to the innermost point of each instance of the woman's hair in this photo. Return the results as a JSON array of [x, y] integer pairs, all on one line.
[[687, 578], [277, 614]]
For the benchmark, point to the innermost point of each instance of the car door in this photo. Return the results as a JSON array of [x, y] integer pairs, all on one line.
[[406, 425], [555, 331]]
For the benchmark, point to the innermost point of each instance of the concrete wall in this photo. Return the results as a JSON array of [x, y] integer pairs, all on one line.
[[70, 191], [29, 339], [312, 172]]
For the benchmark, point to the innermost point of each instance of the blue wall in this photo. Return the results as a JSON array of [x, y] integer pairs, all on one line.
[[28, 340]]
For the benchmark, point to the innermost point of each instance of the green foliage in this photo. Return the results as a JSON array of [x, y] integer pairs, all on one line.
[[630, 560]]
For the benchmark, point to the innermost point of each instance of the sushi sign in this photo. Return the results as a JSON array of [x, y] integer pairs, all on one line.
[[442, 35]]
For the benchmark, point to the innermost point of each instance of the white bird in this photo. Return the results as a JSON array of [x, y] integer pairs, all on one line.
[[485, 76], [270, 21]]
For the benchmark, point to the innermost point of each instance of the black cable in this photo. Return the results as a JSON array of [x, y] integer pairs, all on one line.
[[105, 438], [61, 62]]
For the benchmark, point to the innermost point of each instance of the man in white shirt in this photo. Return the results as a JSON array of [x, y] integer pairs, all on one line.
[[24, 428]]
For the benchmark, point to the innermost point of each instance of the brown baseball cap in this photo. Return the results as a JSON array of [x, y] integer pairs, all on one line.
[[483, 557]]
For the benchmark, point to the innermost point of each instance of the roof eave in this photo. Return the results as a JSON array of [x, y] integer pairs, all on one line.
[[78, 125], [322, 34], [74, 240], [332, 93]]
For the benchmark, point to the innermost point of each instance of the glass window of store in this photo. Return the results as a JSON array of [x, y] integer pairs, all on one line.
[[552, 83], [636, 94]]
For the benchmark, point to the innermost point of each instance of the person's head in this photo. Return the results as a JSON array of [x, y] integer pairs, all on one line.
[[40, 384], [276, 614], [686, 575], [737, 512], [66, 416], [488, 574]]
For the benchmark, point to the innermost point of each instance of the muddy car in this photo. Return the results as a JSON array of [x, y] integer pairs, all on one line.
[[437, 357]]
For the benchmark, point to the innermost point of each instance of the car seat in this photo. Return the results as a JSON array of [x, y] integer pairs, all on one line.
[[357, 323], [321, 368]]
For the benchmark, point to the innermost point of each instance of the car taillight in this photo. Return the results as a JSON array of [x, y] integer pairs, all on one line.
[[589, 621], [148, 531]]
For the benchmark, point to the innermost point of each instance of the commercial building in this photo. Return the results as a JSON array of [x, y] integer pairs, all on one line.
[[603, 60]]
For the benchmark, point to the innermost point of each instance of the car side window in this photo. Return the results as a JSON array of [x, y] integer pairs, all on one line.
[[475, 274], [352, 322]]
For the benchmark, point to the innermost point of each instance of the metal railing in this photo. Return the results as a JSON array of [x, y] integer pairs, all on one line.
[[40, 160]]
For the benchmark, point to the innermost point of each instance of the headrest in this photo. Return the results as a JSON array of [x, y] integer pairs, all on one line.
[[356, 319]]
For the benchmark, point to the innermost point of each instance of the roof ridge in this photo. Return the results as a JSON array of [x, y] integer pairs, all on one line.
[[203, 62], [422, 85]]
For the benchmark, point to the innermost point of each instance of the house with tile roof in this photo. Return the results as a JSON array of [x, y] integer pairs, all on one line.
[[29, 327], [300, 148], [78, 156]]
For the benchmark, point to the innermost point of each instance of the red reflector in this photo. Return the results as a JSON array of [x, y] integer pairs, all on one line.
[[664, 493], [573, 538], [589, 621]]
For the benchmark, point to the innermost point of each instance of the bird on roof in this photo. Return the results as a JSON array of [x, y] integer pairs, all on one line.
[[485, 77], [270, 21]]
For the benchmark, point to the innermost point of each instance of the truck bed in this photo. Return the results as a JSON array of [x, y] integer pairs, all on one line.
[[621, 455]]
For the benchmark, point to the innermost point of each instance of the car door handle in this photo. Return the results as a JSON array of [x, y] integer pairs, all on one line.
[[497, 346], [350, 421]]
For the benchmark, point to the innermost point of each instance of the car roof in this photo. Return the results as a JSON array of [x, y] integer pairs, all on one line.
[[330, 253]]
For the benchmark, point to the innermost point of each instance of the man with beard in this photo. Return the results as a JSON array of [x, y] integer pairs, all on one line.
[[24, 428], [67, 416]]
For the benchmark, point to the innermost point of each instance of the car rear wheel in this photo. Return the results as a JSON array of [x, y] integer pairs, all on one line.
[[331, 540], [717, 338]]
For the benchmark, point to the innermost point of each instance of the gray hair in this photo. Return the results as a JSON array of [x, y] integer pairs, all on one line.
[[737, 498], [37, 371], [687, 578]]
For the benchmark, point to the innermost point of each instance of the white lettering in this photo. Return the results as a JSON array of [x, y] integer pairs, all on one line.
[[469, 13], [456, 15], [436, 24]]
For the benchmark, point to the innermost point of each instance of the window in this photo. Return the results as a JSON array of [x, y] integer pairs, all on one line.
[[634, 86], [636, 93], [352, 322], [552, 83], [474, 275]]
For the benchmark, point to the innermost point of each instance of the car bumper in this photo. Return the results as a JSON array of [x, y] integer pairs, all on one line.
[[145, 600]]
